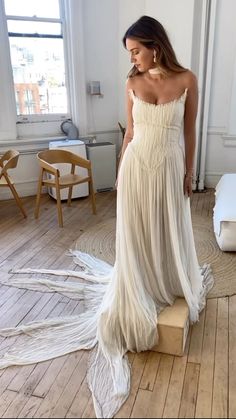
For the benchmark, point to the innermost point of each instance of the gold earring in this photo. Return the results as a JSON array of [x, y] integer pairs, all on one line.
[[154, 56]]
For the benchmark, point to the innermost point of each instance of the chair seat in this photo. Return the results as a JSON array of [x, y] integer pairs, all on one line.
[[67, 180]]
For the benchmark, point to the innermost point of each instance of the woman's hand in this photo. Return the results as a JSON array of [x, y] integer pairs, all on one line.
[[188, 185]]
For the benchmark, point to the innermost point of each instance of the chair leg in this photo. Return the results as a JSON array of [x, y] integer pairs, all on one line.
[[69, 196], [92, 196], [38, 198], [59, 209], [18, 201]]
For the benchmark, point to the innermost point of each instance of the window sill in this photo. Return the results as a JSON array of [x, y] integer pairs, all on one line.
[[20, 141], [39, 119]]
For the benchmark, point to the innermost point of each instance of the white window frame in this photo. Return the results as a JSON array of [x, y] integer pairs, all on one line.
[[56, 117]]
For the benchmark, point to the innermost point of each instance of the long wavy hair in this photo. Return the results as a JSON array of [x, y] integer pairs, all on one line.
[[150, 33]]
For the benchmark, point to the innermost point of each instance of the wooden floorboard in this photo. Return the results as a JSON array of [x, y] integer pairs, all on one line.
[[200, 384], [232, 356], [221, 372], [206, 377], [189, 391]]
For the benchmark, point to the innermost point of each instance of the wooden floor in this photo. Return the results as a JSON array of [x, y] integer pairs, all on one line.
[[200, 384]]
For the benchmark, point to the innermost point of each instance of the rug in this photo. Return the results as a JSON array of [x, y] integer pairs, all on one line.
[[100, 242]]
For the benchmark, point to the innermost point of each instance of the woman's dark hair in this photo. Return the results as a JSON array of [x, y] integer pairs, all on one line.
[[150, 33]]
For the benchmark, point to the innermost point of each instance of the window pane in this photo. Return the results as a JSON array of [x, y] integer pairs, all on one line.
[[19, 26], [39, 75], [30, 8]]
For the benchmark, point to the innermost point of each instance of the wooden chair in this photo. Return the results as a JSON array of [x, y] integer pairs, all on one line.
[[50, 176], [8, 161], [122, 129]]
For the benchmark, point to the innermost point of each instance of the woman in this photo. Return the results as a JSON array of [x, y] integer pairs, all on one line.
[[155, 253], [155, 175], [157, 77]]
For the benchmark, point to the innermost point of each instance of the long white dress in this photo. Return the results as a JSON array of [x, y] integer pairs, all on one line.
[[155, 262]]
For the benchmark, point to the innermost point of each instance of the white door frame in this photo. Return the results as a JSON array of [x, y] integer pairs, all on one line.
[[204, 72]]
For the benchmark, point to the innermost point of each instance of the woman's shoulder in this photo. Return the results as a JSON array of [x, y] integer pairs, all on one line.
[[189, 78], [132, 83]]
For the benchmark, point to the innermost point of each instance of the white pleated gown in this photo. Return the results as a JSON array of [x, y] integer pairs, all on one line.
[[155, 262]]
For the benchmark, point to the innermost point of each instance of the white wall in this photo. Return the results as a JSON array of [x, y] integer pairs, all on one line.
[[221, 148], [129, 12], [101, 62], [177, 19]]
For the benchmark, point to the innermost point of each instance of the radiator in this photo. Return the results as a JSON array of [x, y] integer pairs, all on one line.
[[103, 161]]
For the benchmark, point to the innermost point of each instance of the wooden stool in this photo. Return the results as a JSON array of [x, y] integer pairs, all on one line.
[[173, 326]]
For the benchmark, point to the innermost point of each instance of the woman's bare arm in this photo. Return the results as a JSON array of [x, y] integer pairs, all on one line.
[[189, 123], [190, 115]]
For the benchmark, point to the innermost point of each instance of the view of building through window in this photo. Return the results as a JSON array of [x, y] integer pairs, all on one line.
[[37, 57], [39, 75]]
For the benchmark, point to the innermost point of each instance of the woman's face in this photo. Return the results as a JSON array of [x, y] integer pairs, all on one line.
[[140, 56]]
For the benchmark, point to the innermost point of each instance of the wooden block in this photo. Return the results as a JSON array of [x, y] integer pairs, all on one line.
[[173, 326]]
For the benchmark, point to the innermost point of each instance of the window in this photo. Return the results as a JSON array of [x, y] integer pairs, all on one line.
[[37, 59]]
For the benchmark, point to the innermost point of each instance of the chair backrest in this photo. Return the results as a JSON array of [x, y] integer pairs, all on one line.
[[9, 160], [54, 156]]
